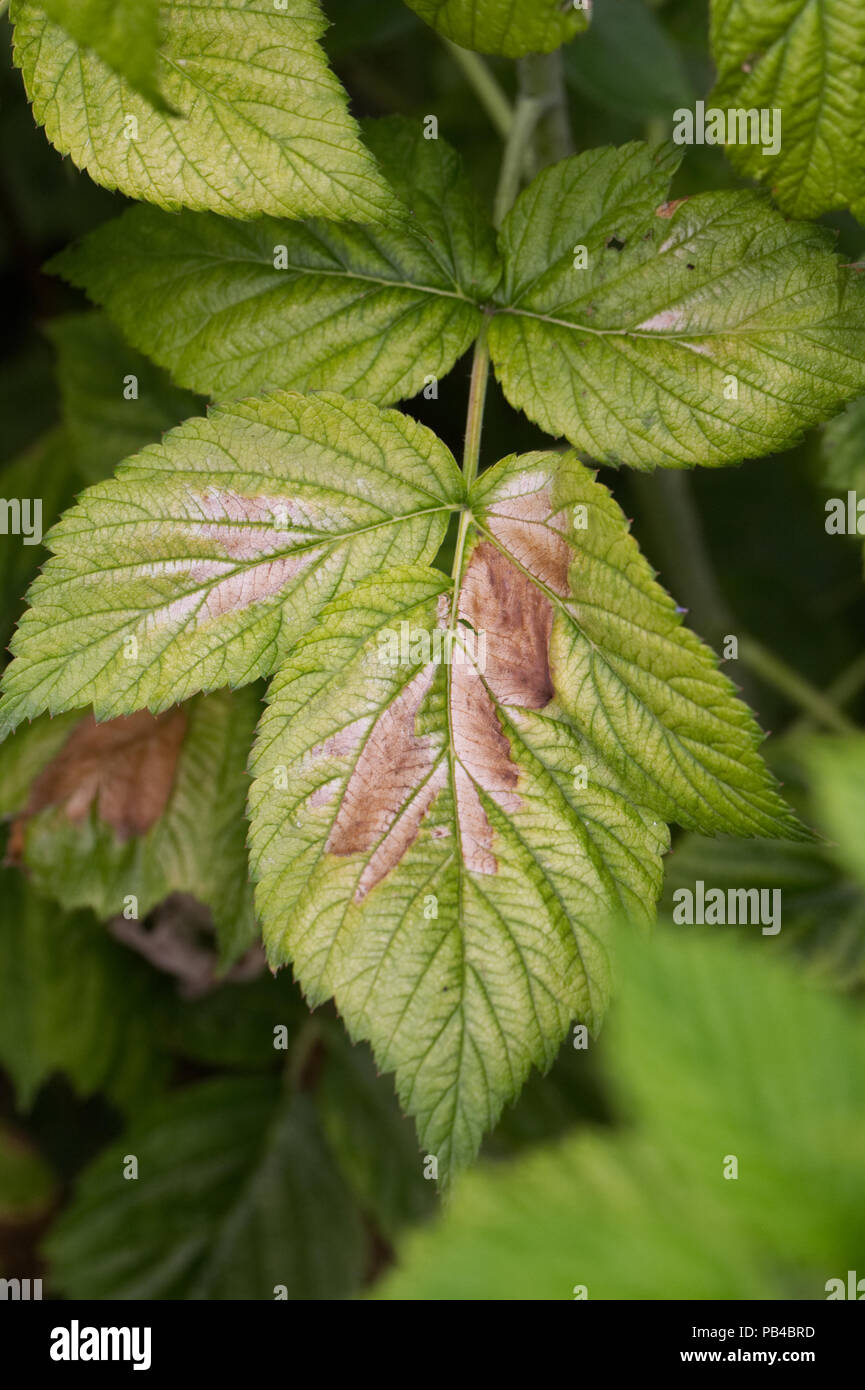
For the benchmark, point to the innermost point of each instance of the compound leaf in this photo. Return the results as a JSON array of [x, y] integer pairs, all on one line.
[[448, 806], [262, 123], [512, 29], [232, 308], [209, 554], [699, 331], [806, 61]]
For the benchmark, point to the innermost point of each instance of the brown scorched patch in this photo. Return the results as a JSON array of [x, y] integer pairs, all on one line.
[[399, 774], [126, 767]]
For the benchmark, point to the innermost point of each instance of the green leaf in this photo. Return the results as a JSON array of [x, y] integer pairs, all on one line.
[[823, 916], [367, 311], [209, 554], [74, 1001], [374, 1143], [233, 1025], [236, 1195], [512, 29], [438, 842], [124, 33], [28, 1188], [843, 449], [838, 770], [808, 62], [699, 332], [843, 457], [714, 1052], [97, 373], [263, 125], [138, 806], [628, 64]]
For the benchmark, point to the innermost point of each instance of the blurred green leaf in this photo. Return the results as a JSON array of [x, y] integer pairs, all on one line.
[[838, 770], [714, 1054], [46, 477], [512, 29], [236, 1195], [628, 64], [233, 1025], [823, 910], [97, 370], [375, 1143], [28, 1187], [124, 33], [75, 1001]]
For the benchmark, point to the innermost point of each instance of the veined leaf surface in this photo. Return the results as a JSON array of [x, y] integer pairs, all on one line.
[[512, 29], [124, 33], [698, 332], [450, 799], [207, 555], [235, 307], [262, 123], [805, 61]]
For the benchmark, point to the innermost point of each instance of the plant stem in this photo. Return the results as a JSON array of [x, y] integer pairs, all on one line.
[[477, 399], [491, 96], [517, 150], [474, 428], [843, 688], [513, 161], [305, 1044], [668, 505], [542, 78], [670, 509], [776, 672]]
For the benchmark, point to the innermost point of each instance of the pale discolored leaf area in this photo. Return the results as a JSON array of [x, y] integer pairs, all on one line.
[[209, 554], [235, 307], [448, 805], [512, 29], [262, 124], [142, 806], [694, 332]]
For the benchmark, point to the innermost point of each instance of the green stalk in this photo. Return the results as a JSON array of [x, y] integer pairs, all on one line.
[[514, 159], [842, 690], [542, 78], [771, 669], [518, 147], [670, 509], [486, 88]]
